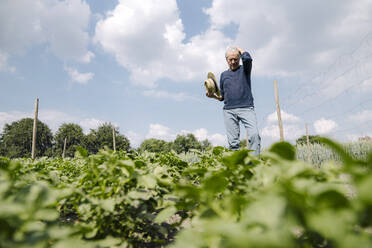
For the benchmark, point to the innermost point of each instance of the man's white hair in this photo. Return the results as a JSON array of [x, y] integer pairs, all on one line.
[[231, 50]]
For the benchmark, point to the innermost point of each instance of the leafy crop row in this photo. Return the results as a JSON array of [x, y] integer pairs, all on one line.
[[221, 199], [320, 154]]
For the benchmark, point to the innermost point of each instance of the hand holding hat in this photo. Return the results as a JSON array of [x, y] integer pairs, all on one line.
[[211, 86]]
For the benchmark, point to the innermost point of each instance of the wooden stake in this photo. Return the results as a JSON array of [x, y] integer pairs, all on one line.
[[64, 148], [113, 138], [278, 111], [308, 144], [34, 129]]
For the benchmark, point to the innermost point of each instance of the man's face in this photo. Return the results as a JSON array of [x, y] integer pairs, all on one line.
[[233, 60]]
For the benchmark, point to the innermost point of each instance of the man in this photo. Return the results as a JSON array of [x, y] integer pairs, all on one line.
[[236, 92]]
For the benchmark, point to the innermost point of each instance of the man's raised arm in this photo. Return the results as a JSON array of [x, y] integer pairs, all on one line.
[[247, 61]]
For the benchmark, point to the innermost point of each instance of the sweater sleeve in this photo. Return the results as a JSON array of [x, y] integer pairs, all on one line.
[[221, 87], [247, 63]]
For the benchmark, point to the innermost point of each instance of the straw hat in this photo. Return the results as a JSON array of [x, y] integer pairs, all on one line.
[[211, 84]]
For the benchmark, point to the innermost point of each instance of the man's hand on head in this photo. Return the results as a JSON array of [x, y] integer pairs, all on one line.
[[241, 51]]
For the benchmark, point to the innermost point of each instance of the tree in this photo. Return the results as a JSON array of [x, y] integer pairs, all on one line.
[[74, 137], [98, 139], [313, 139], [155, 145], [205, 144], [185, 143], [16, 139]]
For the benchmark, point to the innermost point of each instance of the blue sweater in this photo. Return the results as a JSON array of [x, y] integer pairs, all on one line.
[[236, 85]]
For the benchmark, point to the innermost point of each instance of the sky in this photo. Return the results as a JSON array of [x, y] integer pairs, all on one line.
[[141, 65]]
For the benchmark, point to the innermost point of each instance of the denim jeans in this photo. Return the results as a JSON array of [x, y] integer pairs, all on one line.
[[247, 116]]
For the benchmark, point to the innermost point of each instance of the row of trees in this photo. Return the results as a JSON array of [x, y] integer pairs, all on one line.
[[16, 140], [182, 143]]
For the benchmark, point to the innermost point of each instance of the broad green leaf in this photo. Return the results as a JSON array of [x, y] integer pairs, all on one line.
[[332, 199], [189, 238], [34, 226], [46, 214], [73, 242], [60, 232], [147, 181], [108, 204], [331, 224], [109, 242], [92, 233], [54, 176], [165, 214], [268, 211], [364, 189], [284, 150], [215, 183], [235, 158], [137, 194], [8, 209], [369, 159]]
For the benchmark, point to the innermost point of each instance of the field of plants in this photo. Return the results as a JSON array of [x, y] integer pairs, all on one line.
[[319, 154], [215, 198]]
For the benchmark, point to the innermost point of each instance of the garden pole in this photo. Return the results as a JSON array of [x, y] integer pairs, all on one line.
[[278, 111], [34, 129], [64, 148], [308, 143], [113, 138]]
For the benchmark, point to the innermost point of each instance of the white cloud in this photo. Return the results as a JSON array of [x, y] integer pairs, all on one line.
[[361, 117], [216, 139], [283, 38], [324, 126], [286, 39], [9, 117], [176, 96], [134, 138], [286, 117], [53, 118], [61, 25], [78, 77], [201, 134], [4, 66], [90, 123], [154, 47], [290, 132], [367, 84], [293, 128], [159, 131]]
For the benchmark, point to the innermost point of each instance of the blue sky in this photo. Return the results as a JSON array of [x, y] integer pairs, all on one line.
[[141, 64]]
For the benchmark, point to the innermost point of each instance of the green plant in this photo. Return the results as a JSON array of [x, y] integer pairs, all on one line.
[[212, 198]]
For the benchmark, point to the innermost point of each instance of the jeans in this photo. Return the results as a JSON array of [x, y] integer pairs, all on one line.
[[248, 117]]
